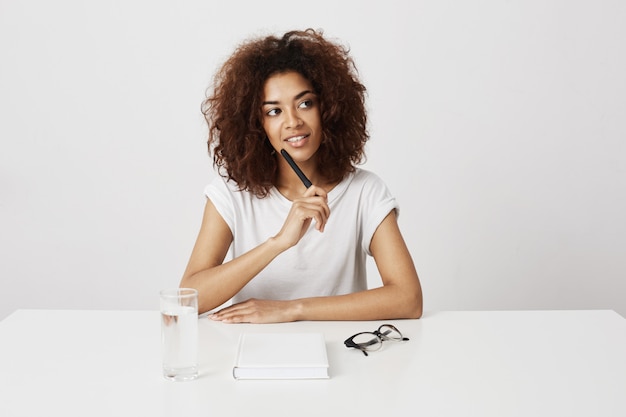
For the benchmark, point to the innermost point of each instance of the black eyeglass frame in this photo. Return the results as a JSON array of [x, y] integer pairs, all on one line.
[[379, 337]]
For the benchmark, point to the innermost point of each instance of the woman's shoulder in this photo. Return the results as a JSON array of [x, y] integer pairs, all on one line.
[[227, 190], [360, 184], [218, 185], [366, 177]]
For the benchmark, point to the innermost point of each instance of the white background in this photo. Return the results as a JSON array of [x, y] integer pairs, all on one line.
[[498, 125]]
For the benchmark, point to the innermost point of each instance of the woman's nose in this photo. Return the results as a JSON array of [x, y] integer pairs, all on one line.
[[293, 119]]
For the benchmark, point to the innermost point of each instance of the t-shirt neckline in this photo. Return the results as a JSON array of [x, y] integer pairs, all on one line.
[[333, 194]]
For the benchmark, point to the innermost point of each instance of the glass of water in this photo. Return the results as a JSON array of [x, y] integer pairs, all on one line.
[[179, 333]]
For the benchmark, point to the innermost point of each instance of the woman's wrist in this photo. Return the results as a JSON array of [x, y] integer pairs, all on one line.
[[275, 244], [296, 310]]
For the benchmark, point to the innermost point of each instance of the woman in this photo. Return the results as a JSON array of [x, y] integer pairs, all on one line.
[[296, 253]]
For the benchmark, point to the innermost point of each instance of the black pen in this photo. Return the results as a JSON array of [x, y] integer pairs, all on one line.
[[296, 168]]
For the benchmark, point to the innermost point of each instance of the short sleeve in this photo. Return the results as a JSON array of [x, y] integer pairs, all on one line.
[[378, 203], [220, 195]]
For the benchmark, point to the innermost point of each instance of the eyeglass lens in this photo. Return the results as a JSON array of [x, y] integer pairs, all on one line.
[[367, 341], [388, 331]]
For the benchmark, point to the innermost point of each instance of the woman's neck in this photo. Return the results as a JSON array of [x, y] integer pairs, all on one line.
[[291, 186]]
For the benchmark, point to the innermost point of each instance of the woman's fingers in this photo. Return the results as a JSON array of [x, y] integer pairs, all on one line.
[[316, 210], [254, 311], [303, 211], [315, 190], [317, 195]]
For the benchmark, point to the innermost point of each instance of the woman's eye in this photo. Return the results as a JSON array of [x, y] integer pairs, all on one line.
[[306, 104], [273, 112]]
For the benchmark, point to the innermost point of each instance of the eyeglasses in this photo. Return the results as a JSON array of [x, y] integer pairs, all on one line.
[[371, 341]]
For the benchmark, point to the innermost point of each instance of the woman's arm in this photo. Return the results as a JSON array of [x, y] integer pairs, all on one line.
[[399, 297], [217, 282]]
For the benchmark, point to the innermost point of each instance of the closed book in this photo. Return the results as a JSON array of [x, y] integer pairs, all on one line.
[[281, 356]]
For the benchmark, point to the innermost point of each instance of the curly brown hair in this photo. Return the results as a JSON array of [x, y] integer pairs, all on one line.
[[233, 111]]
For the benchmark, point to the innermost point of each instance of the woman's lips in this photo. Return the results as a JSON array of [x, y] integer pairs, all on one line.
[[297, 141]]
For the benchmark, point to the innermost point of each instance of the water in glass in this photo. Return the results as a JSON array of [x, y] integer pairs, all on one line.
[[180, 343]]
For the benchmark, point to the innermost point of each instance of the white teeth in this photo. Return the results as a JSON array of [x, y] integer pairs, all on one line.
[[295, 139]]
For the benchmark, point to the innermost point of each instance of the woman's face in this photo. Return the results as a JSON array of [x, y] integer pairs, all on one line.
[[291, 115]]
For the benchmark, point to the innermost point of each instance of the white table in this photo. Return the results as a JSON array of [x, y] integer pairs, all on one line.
[[533, 363]]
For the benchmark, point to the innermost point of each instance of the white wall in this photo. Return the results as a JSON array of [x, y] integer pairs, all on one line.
[[499, 125]]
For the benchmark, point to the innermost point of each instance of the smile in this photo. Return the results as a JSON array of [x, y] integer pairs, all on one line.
[[296, 138]]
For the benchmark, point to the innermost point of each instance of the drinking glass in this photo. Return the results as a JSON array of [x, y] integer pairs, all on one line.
[[179, 333]]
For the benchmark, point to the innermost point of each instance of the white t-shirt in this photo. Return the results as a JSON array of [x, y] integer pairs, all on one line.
[[321, 264]]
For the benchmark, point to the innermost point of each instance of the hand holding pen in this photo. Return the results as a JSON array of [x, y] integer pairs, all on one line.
[[311, 206]]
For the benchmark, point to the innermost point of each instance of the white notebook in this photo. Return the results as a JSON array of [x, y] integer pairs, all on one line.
[[281, 356]]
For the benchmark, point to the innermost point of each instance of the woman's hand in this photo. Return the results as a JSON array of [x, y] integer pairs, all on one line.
[[313, 205], [257, 311]]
